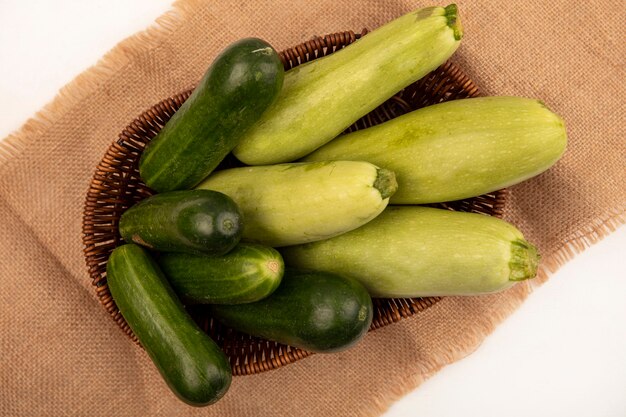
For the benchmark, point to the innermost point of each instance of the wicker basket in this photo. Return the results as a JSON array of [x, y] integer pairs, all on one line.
[[116, 186]]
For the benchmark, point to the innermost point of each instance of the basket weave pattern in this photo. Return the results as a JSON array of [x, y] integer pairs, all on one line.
[[116, 186]]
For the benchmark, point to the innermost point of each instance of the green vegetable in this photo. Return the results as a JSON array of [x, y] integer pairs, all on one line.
[[196, 221], [289, 204], [192, 365], [320, 99], [248, 273], [412, 251], [316, 311], [236, 89], [458, 149]]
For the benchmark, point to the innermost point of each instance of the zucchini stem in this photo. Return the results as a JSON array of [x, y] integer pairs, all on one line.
[[385, 183], [452, 14], [524, 260]]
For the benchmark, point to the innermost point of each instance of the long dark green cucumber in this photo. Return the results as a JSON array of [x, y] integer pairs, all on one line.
[[316, 311], [248, 273], [191, 364], [193, 221], [234, 92]]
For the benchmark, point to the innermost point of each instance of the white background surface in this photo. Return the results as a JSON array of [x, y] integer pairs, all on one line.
[[563, 353]]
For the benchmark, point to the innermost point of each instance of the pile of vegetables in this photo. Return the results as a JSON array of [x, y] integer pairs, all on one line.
[[292, 246]]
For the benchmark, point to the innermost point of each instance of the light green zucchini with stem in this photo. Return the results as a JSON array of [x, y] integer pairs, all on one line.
[[289, 204], [320, 99], [458, 149], [413, 251]]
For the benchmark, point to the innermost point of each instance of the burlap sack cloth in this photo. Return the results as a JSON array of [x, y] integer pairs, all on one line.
[[61, 354]]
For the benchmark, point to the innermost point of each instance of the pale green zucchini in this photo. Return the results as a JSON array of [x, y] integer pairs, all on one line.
[[319, 100], [458, 149], [288, 204], [412, 251]]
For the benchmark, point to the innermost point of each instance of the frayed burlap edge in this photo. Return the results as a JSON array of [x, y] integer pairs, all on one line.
[[592, 233], [116, 59], [595, 231]]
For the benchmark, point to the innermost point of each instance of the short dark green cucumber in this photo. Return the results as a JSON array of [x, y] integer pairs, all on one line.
[[316, 311], [191, 364], [194, 221], [248, 273], [233, 94]]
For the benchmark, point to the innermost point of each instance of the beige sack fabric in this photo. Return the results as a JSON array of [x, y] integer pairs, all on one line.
[[60, 353]]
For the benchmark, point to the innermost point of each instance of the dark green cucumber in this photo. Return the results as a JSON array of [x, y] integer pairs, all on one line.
[[197, 221], [316, 311], [192, 365], [233, 94], [248, 273]]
